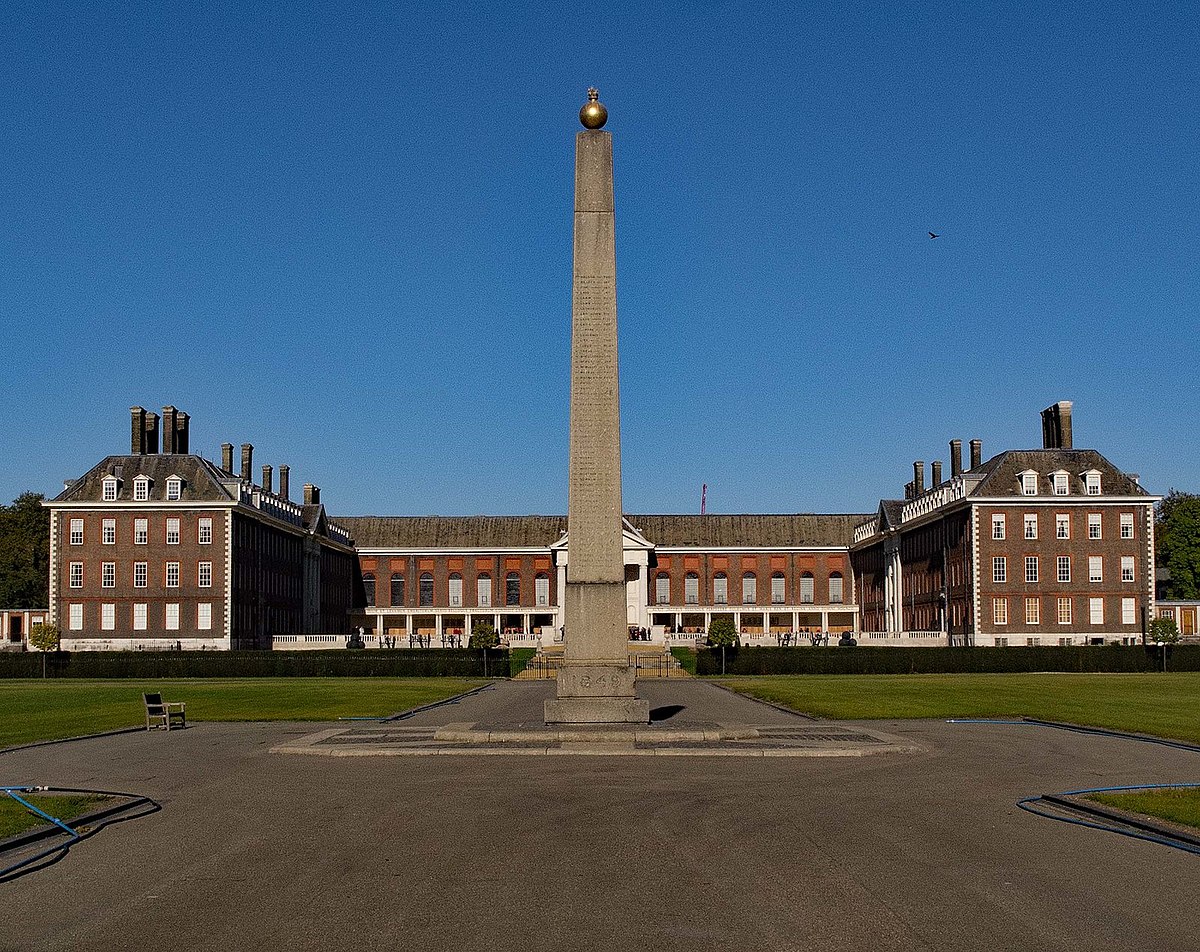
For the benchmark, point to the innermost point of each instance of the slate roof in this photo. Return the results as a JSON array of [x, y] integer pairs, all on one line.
[[1001, 479], [499, 532], [201, 479]]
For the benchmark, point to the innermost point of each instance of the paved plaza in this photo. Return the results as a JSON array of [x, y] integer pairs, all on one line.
[[919, 848]]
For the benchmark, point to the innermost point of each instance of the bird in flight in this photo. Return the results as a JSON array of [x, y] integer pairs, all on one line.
[[932, 235]]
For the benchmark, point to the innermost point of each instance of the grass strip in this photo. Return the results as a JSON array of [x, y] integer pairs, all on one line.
[[14, 818], [34, 710], [1178, 806]]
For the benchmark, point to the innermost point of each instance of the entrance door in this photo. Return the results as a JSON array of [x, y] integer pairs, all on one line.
[[14, 629], [1189, 621]]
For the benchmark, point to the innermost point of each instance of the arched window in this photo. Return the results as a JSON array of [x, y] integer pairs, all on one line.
[[425, 590], [541, 588], [662, 588], [720, 589], [512, 588], [397, 589], [778, 593], [691, 588], [483, 590], [455, 588], [835, 588], [806, 588], [369, 586], [749, 588]]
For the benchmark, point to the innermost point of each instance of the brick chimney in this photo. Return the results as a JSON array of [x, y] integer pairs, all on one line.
[[1056, 426], [137, 430], [267, 479], [284, 472], [937, 474], [247, 462], [181, 432], [168, 429], [312, 495], [976, 453], [151, 431], [227, 457], [955, 458], [918, 478]]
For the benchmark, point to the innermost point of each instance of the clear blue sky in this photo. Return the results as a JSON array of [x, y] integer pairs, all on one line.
[[342, 232]]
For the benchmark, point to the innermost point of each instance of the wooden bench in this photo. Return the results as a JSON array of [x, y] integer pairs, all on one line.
[[160, 713]]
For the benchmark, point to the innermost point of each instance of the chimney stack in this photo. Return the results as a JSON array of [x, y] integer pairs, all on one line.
[[976, 453], [247, 462], [137, 430], [181, 432], [284, 470], [918, 478], [908, 490], [937, 474], [267, 480], [1056, 426], [227, 457], [151, 431], [955, 458], [168, 429], [312, 495]]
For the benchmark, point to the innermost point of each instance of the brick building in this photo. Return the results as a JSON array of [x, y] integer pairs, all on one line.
[[1046, 546], [155, 549]]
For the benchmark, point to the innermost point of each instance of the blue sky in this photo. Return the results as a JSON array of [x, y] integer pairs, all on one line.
[[342, 232]]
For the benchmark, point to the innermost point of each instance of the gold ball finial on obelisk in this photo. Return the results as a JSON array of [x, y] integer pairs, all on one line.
[[593, 115]]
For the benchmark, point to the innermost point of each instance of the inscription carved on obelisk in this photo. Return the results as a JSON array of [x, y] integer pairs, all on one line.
[[595, 681]]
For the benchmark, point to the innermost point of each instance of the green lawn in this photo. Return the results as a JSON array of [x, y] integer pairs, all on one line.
[[14, 818], [1179, 806], [1164, 705], [33, 710]]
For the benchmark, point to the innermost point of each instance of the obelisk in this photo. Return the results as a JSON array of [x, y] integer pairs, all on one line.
[[595, 681]]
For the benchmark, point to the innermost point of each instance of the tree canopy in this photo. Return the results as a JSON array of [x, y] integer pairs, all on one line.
[[25, 553], [722, 633], [1177, 541]]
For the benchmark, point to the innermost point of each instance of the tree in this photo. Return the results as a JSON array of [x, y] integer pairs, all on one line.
[[722, 633], [25, 553], [1177, 541], [46, 638], [483, 635], [1164, 630]]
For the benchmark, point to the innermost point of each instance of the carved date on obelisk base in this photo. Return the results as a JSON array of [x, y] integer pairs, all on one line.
[[595, 680]]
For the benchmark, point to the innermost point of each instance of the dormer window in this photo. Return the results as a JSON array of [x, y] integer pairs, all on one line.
[[1091, 480], [1062, 483], [1029, 481], [141, 488], [175, 488], [111, 485]]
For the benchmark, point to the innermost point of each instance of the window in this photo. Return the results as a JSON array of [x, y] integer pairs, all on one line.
[[204, 575], [108, 574], [171, 616], [1000, 611], [1031, 523], [1062, 485], [1128, 611], [1127, 568], [483, 590], [369, 586], [835, 588], [1096, 611], [541, 588], [1127, 525], [777, 589], [172, 532], [999, 569], [720, 589], [998, 526], [425, 590], [1033, 611], [397, 590], [1031, 568], [512, 589], [1029, 482], [204, 616], [1092, 483], [1064, 611], [662, 588], [174, 488], [749, 588], [1094, 530], [1064, 568], [76, 532], [1095, 568], [691, 588], [75, 616], [204, 531], [172, 575], [139, 574], [110, 488], [108, 532], [108, 617], [141, 489], [139, 616], [1062, 525], [76, 575], [141, 531], [1032, 642], [455, 588], [806, 588]]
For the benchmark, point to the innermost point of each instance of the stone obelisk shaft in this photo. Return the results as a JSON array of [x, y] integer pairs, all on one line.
[[595, 682]]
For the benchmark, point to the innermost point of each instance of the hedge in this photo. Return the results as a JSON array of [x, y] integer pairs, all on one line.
[[400, 663], [882, 660]]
